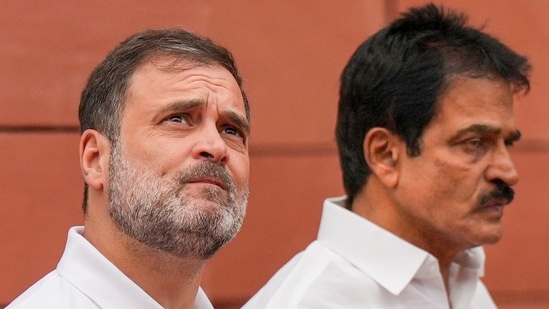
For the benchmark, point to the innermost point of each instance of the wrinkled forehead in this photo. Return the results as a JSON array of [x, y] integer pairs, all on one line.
[[180, 64], [153, 88], [175, 68]]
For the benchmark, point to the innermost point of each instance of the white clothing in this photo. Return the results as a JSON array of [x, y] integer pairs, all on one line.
[[84, 278], [357, 264]]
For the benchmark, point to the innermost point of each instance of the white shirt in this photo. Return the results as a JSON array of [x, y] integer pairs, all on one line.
[[84, 278], [356, 264]]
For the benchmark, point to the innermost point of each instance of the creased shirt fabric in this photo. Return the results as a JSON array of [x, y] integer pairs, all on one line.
[[357, 264], [84, 278]]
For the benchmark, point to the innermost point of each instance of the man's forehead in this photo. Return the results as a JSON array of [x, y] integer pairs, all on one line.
[[150, 75], [198, 84], [183, 73], [175, 66]]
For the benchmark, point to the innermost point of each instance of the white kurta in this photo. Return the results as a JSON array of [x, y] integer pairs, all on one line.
[[84, 278], [356, 264]]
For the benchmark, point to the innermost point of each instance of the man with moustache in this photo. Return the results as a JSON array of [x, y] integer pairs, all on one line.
[[164, 156], [424, 127]]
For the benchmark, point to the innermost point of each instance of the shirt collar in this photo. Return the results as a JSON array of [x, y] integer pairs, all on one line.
[[93, 274], [389, 260]]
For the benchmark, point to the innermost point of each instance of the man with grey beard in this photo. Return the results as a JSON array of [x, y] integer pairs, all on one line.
[[164, 156]]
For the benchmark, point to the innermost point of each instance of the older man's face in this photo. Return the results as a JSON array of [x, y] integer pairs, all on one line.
[[179, 173], [452, 196]]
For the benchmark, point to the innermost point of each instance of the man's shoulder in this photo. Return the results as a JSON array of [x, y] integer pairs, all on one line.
[[52, 291], [299, 277]]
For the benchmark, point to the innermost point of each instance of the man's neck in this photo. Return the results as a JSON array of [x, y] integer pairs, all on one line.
[[374, 205], [172, 281]]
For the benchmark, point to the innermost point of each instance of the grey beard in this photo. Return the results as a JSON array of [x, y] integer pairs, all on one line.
[[151, 210]]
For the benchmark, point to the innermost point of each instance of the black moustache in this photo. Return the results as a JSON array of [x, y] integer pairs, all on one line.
[[502, 191]]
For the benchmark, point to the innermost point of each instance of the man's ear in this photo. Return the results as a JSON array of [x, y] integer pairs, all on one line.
[[94, 158], [382, 154]]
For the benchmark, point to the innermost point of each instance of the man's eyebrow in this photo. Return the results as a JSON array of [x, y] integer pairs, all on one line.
[[480, 128], [485, 129], [180, 106], [475, 128], [186, 105], [239, 120]]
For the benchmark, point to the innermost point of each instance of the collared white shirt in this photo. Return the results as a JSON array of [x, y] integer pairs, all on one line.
[[84, 278], [357, 264]]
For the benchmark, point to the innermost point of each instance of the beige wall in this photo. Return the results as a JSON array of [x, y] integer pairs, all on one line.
[[291, 53]]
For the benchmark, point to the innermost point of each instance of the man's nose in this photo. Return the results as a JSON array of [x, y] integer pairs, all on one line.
[[210, 145], [502, 167]]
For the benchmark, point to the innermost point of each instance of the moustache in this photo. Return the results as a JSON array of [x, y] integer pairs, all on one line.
[[502, 192], [206, 170]]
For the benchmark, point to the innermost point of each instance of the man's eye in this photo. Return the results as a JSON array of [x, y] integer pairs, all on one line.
[[231, 131], [475, 146], [177, 119], [473, 143]]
